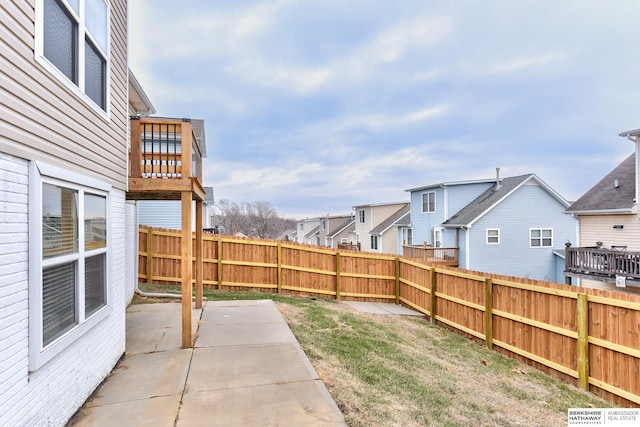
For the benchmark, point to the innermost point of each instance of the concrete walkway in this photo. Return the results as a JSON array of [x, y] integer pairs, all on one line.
[[247, 369]]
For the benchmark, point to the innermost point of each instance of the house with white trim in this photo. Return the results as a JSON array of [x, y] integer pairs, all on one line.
[[68, 232], [607, 252], [513, 226], [377, 227]]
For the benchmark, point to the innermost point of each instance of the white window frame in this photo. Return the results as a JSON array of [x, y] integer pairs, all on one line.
[[375, 246], [541, 238], [361, 216], [83, 32], [407, 236], [438, 236], [428, 194], [344, 240], [488, 236], [39, 174]]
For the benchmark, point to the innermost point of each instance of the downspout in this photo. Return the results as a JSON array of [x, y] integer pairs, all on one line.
[[467, 258]]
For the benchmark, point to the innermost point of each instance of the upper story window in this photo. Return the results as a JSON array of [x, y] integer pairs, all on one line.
[[361, 216], [324, 225], [493, 236], [73, 44], [541, 237], [429, 202]]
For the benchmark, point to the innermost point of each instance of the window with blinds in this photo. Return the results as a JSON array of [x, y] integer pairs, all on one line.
[[74, 268], [75, 41]]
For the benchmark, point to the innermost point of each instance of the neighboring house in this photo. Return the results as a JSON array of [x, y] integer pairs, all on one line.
[[308, 231], [168, 213], [336, 229], [375, 226], [609, 230], [288, 235], [514, 226], [67, 236]]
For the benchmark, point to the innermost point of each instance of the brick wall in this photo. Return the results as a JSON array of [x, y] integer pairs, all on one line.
[[53, 393]]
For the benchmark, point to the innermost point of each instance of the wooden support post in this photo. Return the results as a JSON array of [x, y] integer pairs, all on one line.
[[338, 277], [219, 262], [279, 267], [432, 279], [149, 256], [135, 154], [583, 341], [198, 255], [186, 245], [488, 313], [397, 280]]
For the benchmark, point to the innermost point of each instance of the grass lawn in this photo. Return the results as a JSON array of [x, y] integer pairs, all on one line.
[[403, 371]]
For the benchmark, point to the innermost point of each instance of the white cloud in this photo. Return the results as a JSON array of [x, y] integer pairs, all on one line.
[[523, 63]]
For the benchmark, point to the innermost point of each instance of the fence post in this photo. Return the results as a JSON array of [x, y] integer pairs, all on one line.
[[338, 279], [488, 313], [149, 256], [219, 262], [583, 341], [432, 277], [398, 280], [279, 267]]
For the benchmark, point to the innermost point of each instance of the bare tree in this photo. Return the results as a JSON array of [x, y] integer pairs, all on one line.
[[263, 219], [255, 219]]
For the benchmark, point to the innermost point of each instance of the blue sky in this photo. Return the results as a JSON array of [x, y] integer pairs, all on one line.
[[317, 106]]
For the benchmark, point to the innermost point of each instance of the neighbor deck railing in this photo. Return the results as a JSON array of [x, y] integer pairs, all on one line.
[[588, 337], [442, 256], [602, 264]]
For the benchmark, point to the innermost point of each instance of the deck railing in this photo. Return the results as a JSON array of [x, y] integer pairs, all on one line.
[[602, 263], [164, 148], [429, 254]]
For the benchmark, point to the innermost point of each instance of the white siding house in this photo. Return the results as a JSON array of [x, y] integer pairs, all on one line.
[[66, 249]]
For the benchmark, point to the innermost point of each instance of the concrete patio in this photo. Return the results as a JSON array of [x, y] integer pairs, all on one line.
[[246, 369]]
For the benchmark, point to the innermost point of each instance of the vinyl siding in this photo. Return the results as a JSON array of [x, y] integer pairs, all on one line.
[[528, 207], [599, 228], [374, 216], [41, 119], [455, 197]]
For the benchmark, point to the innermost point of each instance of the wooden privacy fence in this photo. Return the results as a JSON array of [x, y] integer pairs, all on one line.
[[588, 337]]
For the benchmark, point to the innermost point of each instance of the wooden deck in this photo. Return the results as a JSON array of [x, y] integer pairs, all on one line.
[[431, 255], [602, 264], [165, 163]]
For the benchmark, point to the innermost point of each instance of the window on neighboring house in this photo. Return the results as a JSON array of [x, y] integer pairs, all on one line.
[[407, 236], [344, 240], [324, 225], [493, 236], [357, 237], [374, 243], [301, 226], [361, 216], [541, 237], [437, 237], [74, 46], [68, 291], [429, 202]]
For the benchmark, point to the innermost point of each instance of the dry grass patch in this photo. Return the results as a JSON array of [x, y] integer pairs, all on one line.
[[396, 370]]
